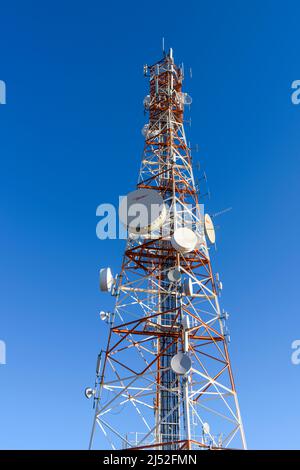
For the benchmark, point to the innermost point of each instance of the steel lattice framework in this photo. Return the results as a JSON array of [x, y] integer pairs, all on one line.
[[140, 402]]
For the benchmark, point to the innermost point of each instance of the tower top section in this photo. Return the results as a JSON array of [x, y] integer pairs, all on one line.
[[165, 98], [166, 64]]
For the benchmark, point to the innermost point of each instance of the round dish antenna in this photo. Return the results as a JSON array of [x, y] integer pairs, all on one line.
[[174, 275], [209, 228], [104, 316], [143, 211], [184, 240], [106, 279], [89, 392], [181, 363], [184, 98]]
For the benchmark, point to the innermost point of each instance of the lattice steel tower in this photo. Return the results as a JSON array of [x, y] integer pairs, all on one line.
[[164, 380]]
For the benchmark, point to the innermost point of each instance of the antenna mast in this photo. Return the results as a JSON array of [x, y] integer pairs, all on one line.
[[165, 381]]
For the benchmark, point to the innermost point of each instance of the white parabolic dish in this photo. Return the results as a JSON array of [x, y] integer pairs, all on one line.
[[104, 315], [174, 275], [181, 363], [184, 240], [209, 228], [142, 211]]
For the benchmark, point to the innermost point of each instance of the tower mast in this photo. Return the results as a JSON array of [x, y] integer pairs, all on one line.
[[166, 380]]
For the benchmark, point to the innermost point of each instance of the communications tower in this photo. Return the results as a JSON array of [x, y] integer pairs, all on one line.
[[164, 379]]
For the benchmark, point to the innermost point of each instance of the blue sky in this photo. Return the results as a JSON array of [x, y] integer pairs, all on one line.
[[70, 140]]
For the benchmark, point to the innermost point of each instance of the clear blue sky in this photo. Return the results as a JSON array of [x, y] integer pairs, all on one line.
[[70, 140]]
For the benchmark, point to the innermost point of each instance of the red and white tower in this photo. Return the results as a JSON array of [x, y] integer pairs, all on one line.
[[164, 380]]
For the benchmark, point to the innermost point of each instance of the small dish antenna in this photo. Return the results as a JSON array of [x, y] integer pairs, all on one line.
[[209, 228], [184, 240], [147, 132], [143, 211], [174, 275], [106, 279], [186, 99], [89, 392], [181, 363], [104, 316]]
